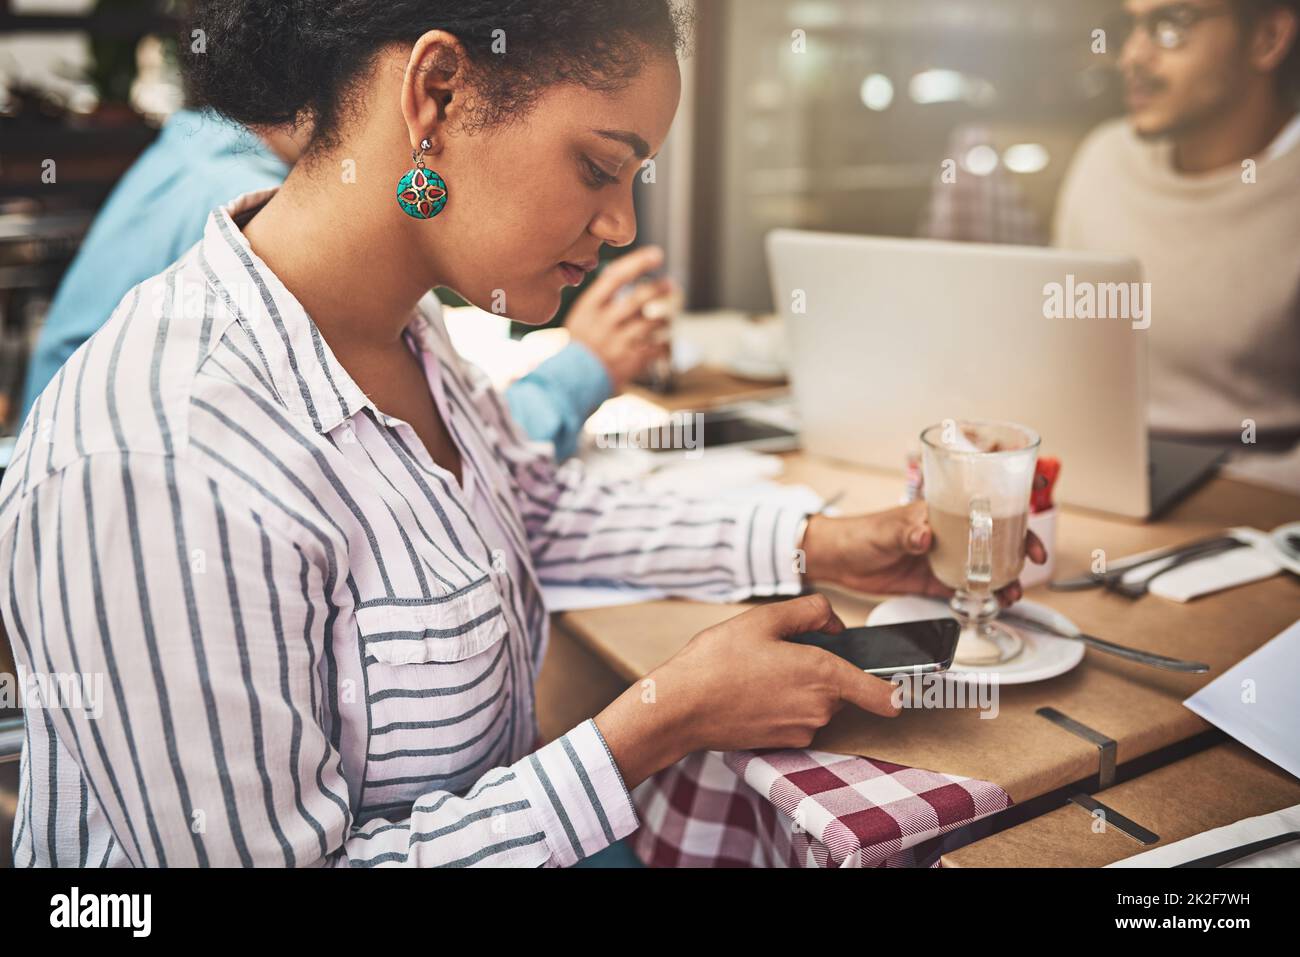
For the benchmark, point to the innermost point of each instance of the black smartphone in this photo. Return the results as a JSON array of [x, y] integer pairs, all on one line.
[[913, 647]]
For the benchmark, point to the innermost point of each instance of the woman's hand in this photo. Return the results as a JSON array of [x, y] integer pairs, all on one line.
[[613, 327], [887, 553], [740, 685]]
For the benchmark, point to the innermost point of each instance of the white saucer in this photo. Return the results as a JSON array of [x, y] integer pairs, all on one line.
[[1043, 656]]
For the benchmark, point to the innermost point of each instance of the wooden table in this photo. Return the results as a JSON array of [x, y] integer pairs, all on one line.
[[1212, 788], [708, 387], [1027, 755]]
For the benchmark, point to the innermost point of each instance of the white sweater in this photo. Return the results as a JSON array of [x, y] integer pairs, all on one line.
[[1223, 258]]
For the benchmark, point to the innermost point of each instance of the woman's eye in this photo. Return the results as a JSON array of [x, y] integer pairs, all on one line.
[[596, 176]]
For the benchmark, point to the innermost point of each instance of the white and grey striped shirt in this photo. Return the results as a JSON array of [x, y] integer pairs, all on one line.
[[315, 646]]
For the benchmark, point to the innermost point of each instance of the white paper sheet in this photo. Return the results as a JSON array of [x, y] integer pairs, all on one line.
[[1246, 831], [1256, 700]]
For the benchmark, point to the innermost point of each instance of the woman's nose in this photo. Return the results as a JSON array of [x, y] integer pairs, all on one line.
[[615, 224]]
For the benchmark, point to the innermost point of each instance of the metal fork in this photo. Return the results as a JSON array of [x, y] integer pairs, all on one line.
[[1138, 588], [1201, 547]]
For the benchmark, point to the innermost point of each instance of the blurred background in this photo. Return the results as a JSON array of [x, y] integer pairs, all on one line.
[[825, 114]]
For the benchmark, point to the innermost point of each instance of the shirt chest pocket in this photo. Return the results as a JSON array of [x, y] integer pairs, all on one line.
[[443, 629], [438, 694]]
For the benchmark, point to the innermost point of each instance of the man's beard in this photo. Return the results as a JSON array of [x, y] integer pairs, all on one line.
[[1186, 122], [1190, 119]]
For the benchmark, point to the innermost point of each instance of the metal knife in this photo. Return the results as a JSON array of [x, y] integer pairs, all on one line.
[[1062, 629]]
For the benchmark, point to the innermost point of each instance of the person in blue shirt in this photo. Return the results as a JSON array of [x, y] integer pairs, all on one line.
[[201, 161]]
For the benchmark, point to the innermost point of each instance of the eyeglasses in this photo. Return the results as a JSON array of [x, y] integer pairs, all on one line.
[[1167, 27]]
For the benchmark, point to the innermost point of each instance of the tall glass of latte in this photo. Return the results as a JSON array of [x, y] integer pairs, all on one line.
[[978, 478]]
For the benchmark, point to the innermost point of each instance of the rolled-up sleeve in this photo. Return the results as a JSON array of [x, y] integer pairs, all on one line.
[[586, 533], [583, 532]]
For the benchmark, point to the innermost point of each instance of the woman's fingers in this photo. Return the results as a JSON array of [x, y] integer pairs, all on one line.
[[814, 613], [1035, 549], [640, 297], [635, 345], [648, 332], [912, 525], [1011, 594], [937, 589], [866, 691], [796, 616], [1036, 552]]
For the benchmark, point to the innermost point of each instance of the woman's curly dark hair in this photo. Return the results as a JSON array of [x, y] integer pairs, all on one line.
[[279, 62]]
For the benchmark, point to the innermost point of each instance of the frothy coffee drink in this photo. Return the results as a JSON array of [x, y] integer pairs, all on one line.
[[985, 470], [951, 547]]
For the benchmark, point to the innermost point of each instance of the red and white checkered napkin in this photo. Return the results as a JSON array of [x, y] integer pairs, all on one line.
[[803, 809]]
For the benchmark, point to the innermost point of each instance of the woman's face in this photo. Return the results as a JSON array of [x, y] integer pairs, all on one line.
[[529, 196]]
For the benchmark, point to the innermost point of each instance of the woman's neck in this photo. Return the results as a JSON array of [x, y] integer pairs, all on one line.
[[345, 258]]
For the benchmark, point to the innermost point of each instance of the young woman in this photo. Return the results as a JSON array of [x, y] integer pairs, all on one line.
[[302, 543]]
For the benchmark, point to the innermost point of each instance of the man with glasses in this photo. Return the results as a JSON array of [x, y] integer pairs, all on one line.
[[1201, 183]]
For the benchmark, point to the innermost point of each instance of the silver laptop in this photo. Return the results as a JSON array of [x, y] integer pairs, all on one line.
[[888, 336]]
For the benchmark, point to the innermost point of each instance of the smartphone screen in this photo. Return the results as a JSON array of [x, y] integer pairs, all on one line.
[[927, 646], [717, 430]]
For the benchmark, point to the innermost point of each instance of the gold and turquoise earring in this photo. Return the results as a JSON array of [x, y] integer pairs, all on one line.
[[421, 193]]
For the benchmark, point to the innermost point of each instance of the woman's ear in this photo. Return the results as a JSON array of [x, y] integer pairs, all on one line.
[[433, 89]]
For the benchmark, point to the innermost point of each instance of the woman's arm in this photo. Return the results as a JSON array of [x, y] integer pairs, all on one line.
[[585, 532], [212, 743], [552, 402]]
